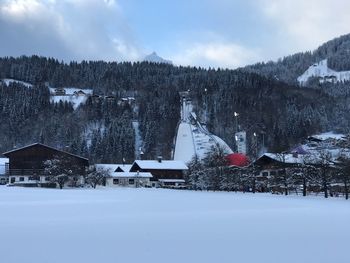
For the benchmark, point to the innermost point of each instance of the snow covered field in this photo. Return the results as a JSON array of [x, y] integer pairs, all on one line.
[[156, 225]]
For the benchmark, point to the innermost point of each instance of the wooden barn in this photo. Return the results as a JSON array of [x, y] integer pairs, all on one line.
[[26, 164], [166, 173]]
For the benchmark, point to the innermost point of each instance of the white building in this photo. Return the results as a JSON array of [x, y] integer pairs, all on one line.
[[241, 142], [129, 179], [3, 176], [120, 175]]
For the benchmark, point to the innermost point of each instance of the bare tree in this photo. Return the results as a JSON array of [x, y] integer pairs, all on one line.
[[324, 163], [343, 173], [97, 176]]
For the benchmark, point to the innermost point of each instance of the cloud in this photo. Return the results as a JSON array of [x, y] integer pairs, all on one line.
[[216, 54], [306, 24], [66, 29]]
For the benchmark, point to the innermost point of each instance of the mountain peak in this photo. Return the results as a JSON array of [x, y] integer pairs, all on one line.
[[154, 58]]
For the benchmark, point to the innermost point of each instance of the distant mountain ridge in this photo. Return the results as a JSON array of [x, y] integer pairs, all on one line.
[[154, 58]]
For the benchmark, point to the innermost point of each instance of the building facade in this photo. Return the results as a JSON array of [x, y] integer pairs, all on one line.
[[27, 165]]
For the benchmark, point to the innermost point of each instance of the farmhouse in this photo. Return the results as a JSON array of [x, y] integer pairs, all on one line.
[[119, 175], [26, 165], [165, 173], [129, 179], [272, 163]]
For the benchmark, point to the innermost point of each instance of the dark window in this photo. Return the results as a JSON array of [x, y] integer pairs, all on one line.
[[131, 181], [13, 179], [273, 173], [265, 174], [115, 181], [281, 172], [47, 178], [21, 179], [34, 178]]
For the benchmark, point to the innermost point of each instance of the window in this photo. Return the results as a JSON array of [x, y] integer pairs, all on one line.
[[265, 174], [13, 179], [281, 172], [34, 178], [21, 179], [115, 181], [47, 178], [131, 181], [272, 173]]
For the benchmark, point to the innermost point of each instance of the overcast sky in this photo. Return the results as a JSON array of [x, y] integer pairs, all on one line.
[[215, 33]]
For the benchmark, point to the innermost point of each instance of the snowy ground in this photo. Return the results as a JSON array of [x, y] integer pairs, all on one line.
[[154, 225]]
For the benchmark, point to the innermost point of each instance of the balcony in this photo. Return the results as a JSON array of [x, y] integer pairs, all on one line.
[[25, 172]]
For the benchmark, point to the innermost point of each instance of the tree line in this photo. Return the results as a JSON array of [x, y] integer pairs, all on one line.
[[317, 173]]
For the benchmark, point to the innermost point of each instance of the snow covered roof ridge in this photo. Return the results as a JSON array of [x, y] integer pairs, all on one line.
[[164, 164]]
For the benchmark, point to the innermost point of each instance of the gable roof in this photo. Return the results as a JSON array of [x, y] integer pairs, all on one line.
[[42, 145], [113, 167], [163, 165]]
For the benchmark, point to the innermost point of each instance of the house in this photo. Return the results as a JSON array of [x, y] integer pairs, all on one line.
[[272, 163], [3, 169], [120, 175], [129, 179], [165, 172], [79, 93], [59, 91], [26, 165]]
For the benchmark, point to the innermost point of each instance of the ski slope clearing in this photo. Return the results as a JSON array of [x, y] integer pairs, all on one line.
[[71, 96], [9, 81], [157, 225], [326, 74]]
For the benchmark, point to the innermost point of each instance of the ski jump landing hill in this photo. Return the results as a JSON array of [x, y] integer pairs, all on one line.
[[193, 139]]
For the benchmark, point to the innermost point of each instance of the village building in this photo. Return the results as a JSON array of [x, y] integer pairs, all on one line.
[[79, 93], [3, 170], [59, 91], [120, 175], [129, 179], [26, 165], [166, 173], [270, 164]]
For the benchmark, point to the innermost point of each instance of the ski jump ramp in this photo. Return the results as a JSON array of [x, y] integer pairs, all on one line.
[[192, 138]]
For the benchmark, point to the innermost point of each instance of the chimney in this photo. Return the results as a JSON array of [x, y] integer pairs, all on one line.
[[159, 158]]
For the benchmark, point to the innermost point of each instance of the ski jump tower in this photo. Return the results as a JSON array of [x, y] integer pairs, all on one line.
[[192, 138]]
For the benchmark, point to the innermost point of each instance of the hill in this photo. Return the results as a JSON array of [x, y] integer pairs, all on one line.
[[102, 128]]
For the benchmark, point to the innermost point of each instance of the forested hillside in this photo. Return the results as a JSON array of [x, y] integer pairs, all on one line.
[[337, 51], [102, 129]]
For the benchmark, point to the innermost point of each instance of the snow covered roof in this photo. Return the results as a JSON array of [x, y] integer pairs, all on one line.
[[286, 158], [107, 167], [163, 165], [3, 161], [113, 167], [289, 158], [329, 135], [125, 167], [71, 90], [313, 157], [131, 174]]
